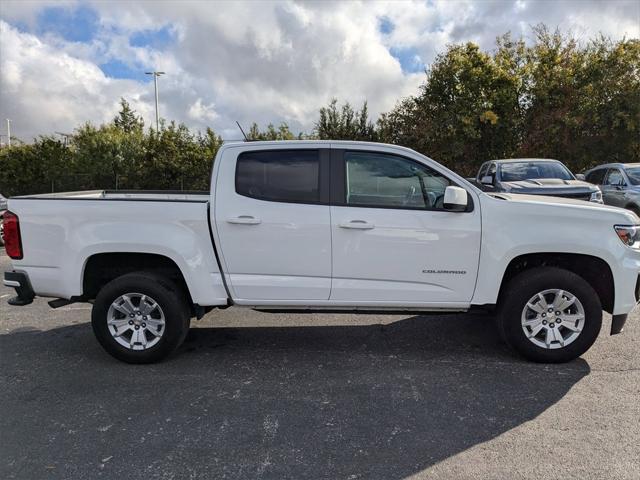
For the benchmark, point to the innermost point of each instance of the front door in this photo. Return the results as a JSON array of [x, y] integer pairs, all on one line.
[[613, 189], [393, 241], [273, 223]]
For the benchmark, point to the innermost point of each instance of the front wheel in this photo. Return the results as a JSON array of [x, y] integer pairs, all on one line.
[[550, 315], [140, 317]]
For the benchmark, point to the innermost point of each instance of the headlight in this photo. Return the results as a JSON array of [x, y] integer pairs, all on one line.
[[596, 197], [629, 234]]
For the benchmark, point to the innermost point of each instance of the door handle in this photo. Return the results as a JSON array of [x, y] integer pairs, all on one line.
[[357, 225], [244, 220]]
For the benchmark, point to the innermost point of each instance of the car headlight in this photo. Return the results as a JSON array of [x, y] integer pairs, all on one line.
[[596, 197], [629, 234]]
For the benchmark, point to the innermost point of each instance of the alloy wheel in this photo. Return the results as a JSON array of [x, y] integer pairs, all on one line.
[[136, 321], [553, 319]]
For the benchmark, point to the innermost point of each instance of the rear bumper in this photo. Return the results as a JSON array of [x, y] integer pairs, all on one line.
[[20, 282]]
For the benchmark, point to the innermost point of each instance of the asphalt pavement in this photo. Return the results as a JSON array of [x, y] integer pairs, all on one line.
[[256, 395]]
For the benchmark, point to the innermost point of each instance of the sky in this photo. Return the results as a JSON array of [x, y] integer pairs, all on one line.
[[63, 63]]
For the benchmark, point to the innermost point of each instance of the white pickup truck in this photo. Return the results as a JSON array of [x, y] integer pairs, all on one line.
[[327, 226]]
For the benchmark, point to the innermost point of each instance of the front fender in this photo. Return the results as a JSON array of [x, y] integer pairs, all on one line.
[[512, 229]]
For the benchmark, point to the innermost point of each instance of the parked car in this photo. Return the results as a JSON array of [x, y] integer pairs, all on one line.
[[3, 208], [533, 176], [620, 184], [322, 226]]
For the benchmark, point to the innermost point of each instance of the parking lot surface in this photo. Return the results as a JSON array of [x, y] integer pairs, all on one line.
[[252, 395]]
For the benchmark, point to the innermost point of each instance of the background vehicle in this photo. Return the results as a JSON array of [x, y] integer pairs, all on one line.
[[620, 184], [320, 225], [535, 177], [3, 208]]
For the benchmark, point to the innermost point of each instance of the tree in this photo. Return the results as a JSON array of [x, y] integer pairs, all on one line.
[[466, 112], [557, 98], [112, 156], [33, 168], [584, 101], [126, 119], [344, 123], [283, 132]]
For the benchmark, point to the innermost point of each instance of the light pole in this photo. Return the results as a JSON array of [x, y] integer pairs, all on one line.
[[8, 132], [155, 84]]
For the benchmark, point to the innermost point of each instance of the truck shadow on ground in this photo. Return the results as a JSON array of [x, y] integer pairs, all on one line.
[[373, 401]]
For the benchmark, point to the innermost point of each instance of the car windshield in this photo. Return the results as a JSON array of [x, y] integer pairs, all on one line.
[[634, 175], [513, 172]]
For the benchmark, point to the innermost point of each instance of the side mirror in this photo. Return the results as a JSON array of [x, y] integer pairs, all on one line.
[[455, 199], [487, 180], [581, 176]]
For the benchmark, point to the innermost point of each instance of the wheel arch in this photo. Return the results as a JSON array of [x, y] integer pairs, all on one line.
[[634, 207], [593, 270], [100, 268]]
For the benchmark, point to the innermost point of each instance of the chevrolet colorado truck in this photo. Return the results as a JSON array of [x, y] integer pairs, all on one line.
[[326, 226]]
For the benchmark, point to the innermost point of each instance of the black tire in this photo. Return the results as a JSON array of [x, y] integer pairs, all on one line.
[[168, 296], [527, 284]]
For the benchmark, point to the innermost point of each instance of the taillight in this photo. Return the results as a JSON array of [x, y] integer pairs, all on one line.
[[12, 240]]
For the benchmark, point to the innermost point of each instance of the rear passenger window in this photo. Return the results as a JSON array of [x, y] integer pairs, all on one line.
[[279, 175]]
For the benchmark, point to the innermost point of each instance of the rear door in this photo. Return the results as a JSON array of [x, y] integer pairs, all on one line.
[[393, 242], [273, 223]]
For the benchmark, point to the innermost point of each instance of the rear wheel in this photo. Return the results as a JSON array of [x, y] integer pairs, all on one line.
[[140, 317], [550, 315]]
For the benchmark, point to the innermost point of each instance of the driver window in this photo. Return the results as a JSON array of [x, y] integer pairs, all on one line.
[[483, 171], [492, 172], [382, 180], [615, 178]]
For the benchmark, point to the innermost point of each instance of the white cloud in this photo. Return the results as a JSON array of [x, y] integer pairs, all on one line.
[[44, 89], [201, 112], [268, 61]]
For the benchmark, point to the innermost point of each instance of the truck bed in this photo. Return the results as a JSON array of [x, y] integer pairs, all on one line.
[[61, 232]]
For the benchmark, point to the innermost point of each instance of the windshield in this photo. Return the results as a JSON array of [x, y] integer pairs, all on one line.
[[634, 175], [513, 172]]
